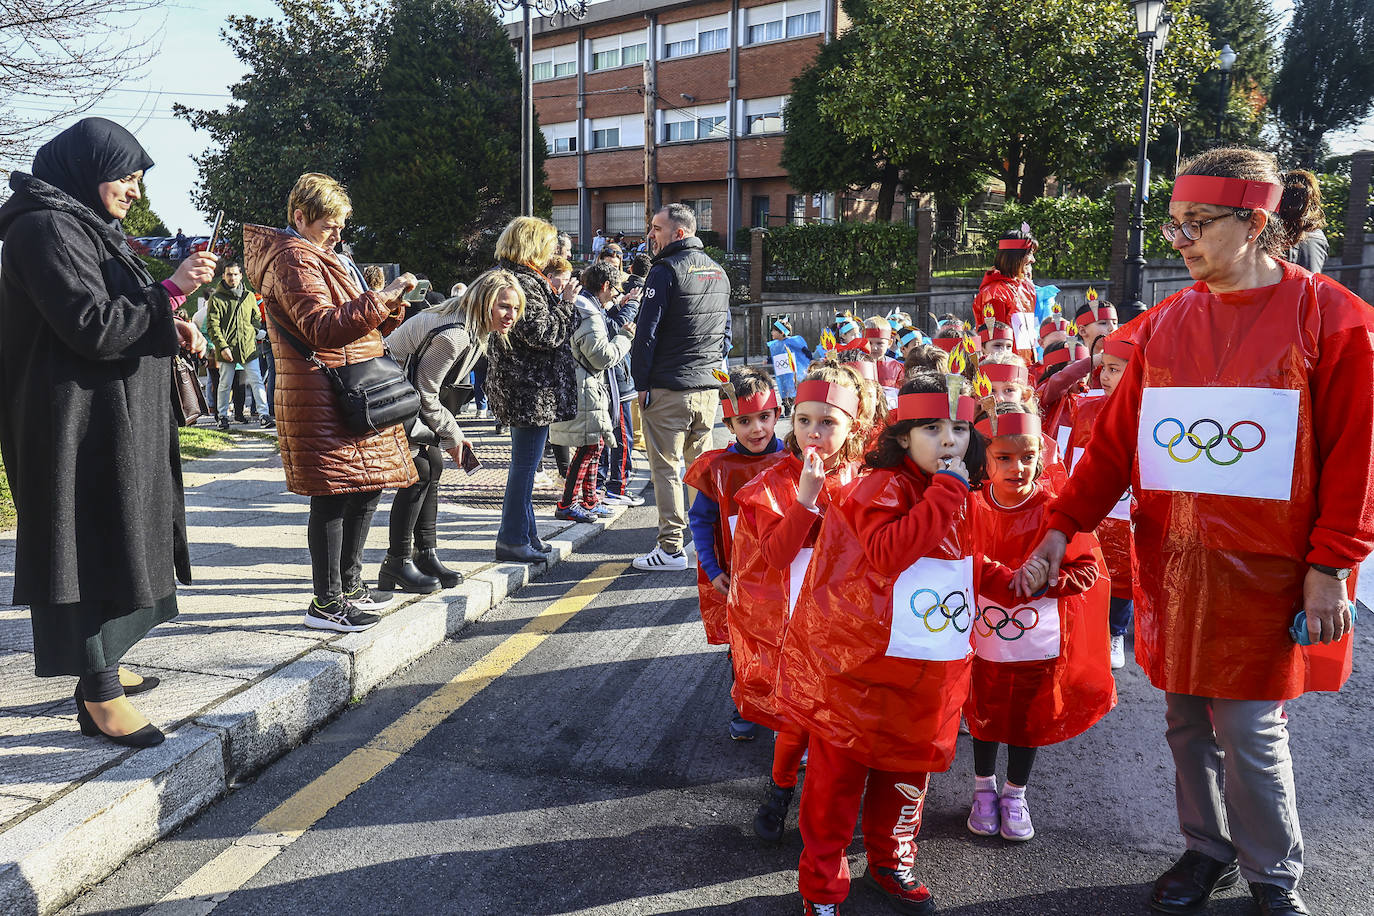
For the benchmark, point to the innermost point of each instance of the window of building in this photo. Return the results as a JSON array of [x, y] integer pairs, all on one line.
[[606, 138], [783, 20], [625, 217], [679, 130], [796, 209], [702, 122], [702, 208], [568, 68], [680, 48], [553, 63], [618, 51], [759, 211], [543, 70], [714, 40], [565, 145], [803, 24], [634, 54], [565, 218], [713, 126], [562, 138], [765, 31], [696, 36], [764, 116]]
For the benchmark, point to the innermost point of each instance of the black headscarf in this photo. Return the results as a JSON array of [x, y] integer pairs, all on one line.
[[91, 151]]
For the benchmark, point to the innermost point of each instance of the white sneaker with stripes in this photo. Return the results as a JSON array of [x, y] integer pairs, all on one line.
[[659, 559]]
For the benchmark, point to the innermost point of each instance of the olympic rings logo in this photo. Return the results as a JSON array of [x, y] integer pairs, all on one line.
[[1227, 436], [1010, 621], [950, 613]]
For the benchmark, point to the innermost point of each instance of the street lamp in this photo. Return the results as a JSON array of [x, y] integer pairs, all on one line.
[[546, 8], [1152, 28], [1226, 59]]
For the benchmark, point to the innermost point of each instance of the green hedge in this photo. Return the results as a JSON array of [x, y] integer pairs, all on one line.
[[845, 256]]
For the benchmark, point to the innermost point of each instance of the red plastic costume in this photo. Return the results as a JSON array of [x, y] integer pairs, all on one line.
[[773, 545], [876, 657], [720, 474], [1114, 533], [1010, 297], [1041, 666], [1225, 524]]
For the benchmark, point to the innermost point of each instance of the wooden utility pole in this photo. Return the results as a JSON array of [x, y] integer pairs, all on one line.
[[650, 143]]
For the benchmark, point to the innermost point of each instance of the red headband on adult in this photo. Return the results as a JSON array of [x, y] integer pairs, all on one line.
[[1011, 424], [754, 403], [1003, 373], [1227, 192], [845, 399], [867, 369], [1013, 244], [1065, 355], [1120, 347], [947, 343], [935, 407]]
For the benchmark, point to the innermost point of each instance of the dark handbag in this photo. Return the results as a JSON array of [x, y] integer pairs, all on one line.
[[188, 397], [373, 393]]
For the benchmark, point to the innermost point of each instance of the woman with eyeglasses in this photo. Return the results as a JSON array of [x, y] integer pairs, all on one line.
[[1245, 425]]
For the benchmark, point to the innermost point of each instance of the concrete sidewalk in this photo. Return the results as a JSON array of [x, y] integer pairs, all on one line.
[[243, 680]]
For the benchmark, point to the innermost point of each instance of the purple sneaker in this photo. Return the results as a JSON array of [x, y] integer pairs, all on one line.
[[982, 817], [1016, 819]]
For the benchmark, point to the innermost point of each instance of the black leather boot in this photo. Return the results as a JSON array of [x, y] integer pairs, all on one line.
[[427, 562], [400, 575], [1189, 882], [772, 814]]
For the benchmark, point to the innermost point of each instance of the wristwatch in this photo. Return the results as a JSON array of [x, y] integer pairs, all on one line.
[[1338, 574]]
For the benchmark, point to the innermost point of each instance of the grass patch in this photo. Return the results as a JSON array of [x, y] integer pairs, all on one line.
[[6, 500], [198, 441]]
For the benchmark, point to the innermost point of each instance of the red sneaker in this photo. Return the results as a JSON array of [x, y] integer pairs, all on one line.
[[903, 891], [819, 909]]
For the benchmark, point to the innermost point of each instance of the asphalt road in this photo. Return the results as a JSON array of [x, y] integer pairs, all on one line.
[[596, 777]]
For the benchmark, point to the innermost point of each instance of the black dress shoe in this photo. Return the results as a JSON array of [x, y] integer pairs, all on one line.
[[521, 553], [143, 686], [399, 574], [427, 562], [1273, 900], [1190, 881], [147, 736]]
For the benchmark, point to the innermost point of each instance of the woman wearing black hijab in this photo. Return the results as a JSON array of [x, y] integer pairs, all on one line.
[[86, 345]]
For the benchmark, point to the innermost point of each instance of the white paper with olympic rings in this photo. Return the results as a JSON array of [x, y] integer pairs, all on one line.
[[1025, 330], [932, 611], [795, 575], [1122, 509], [1222, 441], [1026, 632]]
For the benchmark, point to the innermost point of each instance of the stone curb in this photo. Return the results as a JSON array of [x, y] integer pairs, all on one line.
[[85, 834]]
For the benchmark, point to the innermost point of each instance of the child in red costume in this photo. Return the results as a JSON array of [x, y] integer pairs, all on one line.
[[995, 340], [780, 512], [875, 661], [878, 332], [1055, 403], [1114, 532], [1009, 379], [749, 401], [1040, 672]]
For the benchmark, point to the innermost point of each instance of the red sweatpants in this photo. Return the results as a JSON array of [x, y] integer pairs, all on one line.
[[788, 747], [835, 787]]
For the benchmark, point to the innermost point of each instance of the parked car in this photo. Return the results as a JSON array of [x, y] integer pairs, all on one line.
[[137, 245]]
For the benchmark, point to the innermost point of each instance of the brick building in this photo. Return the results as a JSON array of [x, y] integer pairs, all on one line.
[[720, 71]]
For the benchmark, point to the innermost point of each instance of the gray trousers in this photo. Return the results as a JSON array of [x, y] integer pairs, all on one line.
[[1234, 781]]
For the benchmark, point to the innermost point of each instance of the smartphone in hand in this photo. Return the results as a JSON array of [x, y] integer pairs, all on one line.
[[470, 464]]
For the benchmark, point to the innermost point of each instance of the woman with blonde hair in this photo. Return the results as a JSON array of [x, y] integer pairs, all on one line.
[[439, 348], [532, 378], [318, 303]]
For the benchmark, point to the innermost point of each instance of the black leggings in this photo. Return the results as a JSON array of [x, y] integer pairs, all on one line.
[[336, 532], [415, 510], [1019, 761], [101, 686]]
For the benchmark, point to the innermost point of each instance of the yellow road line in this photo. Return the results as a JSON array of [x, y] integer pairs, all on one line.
[[214, 881]]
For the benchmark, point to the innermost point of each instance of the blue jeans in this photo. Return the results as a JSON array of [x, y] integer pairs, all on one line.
[[1121, 614], [517, 509]]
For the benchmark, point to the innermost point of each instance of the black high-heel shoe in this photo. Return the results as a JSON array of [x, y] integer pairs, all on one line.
[[143, 686], [147, 736], [399, 574], [427, 562]]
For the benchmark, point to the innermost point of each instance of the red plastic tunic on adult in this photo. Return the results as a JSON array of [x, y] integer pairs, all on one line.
[[1041, 666], [773, 546], [1013, 303], [1114, 532], [1226, 522], [876, 657], [720, 474]]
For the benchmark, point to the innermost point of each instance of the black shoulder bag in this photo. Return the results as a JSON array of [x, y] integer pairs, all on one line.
[[373, 394]]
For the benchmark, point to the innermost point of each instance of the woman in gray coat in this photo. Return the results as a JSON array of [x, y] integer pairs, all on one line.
[[595, 350]]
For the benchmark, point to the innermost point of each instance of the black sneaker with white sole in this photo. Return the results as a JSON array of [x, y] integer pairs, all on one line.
[[366, 600], [338, 614]]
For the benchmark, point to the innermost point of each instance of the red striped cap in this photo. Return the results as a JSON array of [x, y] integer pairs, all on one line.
[[763, 400], [1011, 424], [846, 399], [1227, 192], [935, 406]]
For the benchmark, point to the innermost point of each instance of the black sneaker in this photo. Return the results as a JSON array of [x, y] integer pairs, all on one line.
[[223, 424], [267, 422], [338, 614], [364, 600]]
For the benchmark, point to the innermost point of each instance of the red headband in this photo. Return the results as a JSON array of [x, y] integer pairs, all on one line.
[[1011, 424], [1013, 244], [845, 399], [935, 407], [763, 400], [1065, 355], [1119, 347], [1052, 324], [1003, 333], [1227, 192], [1003, 373], [1099, 312], [878, 333], [867, 369], [947, 343]]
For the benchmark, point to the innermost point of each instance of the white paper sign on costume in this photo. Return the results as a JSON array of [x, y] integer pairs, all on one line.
[[1122, 509], [1025, 330], [733, 520], [795, 575], [891, 395], [782, 364], [1222, 441], [1062, 437], [933, 610], [1027, 632]]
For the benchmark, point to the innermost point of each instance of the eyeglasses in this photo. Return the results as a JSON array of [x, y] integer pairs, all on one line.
[[1192, 229]]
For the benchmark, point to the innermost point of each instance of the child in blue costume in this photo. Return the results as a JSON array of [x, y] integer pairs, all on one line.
[[791, 356]]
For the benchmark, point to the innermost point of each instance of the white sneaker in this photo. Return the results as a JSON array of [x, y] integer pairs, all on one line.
[[658, 559], [542, 479], [623, 499], [483, 413], [1118, 652]]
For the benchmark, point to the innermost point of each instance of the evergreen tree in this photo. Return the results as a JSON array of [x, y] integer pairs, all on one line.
[[1326, 80], [142, 221]]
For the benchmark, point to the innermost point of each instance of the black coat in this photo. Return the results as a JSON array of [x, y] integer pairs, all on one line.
[[532, 378], [683, 330], [86, 428]]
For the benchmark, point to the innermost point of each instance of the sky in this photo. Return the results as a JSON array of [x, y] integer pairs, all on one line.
[[195, 67]]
